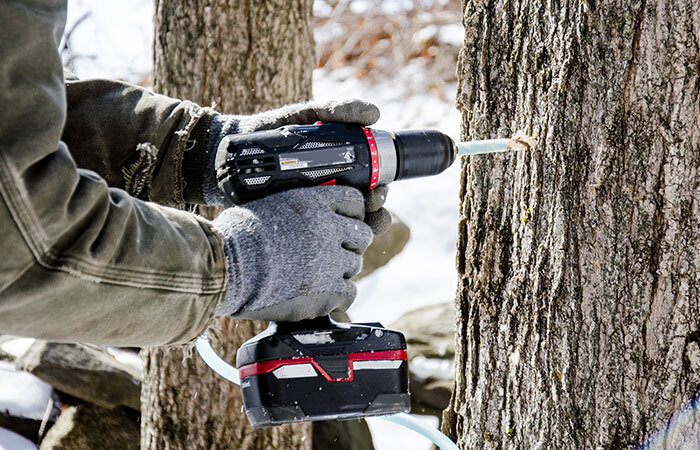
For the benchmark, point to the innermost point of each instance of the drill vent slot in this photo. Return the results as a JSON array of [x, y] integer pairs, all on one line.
[[252, 151], [256, 181], [314, 174], [316, 144]]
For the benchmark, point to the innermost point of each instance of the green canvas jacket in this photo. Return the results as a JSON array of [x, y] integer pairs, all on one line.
[[88, 251]]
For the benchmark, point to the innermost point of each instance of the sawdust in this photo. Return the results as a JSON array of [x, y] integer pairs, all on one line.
[[521, 141]]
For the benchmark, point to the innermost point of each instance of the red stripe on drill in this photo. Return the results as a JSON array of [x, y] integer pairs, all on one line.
[[268, 366], [329, 182], [374, 155]]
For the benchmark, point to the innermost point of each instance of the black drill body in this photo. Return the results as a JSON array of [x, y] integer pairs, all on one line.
[[319, 369], [266, 162]]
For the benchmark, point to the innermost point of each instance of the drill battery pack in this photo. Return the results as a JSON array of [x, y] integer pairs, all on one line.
[[323, 370]]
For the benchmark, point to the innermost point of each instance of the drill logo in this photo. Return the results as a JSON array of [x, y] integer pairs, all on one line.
[[349, 157]]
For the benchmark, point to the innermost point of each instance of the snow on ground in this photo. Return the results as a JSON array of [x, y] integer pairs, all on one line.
[[13, 441], [16, 347], [127, 357], [22, 394]]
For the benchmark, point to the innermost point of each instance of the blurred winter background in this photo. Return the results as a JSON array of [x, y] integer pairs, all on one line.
[[399, 54]]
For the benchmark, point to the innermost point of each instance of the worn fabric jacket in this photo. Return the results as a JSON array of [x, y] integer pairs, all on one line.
[[87, 253]]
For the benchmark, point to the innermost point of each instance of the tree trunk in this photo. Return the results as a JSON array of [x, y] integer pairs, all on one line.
[[243, 57], [578, 319]]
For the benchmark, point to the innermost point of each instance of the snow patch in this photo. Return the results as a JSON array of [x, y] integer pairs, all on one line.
[[432, 368], [21, 393], [17, 347], [425, 34], [13, 441], [319, 337], [115, 41], [126, 357]]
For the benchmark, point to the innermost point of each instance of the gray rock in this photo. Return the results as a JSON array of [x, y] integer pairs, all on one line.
[[89, 427], [86, 372], [384, 247], [430, 339], [341, 435]]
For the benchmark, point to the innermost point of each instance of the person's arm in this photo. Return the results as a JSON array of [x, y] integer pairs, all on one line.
[[81, 261], [136, 140], [164, 150]]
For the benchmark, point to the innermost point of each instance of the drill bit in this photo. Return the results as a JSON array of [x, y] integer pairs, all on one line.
[[481, 147], [518, 142]]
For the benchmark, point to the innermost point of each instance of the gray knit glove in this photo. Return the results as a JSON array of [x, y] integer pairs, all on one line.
[[291, 255]]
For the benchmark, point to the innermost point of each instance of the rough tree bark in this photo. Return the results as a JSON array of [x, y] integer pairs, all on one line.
[[578, 319], [243, 56]]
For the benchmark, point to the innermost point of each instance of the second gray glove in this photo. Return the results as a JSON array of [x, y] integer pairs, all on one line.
[[291, 255]]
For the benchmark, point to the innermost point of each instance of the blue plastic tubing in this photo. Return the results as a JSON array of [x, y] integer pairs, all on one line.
[[229, 372]]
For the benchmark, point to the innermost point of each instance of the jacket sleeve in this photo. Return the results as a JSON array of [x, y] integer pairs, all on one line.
[[137, 140], [84, 262]]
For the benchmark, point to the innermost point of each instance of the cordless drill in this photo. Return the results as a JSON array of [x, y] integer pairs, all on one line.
[[266, 162], [319, 369]]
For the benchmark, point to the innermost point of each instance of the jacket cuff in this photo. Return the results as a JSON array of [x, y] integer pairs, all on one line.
[[194, 160]]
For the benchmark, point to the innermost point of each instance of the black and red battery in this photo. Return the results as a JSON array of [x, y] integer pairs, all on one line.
[[322, 370]]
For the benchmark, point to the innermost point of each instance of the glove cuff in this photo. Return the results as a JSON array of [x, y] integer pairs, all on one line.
[[193, 161], [218, 127]]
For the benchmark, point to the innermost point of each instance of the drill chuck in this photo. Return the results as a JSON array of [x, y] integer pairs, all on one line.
[[266, 162]]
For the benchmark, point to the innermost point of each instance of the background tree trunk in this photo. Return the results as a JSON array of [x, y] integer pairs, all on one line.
[[244, 57], [578, 319]]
